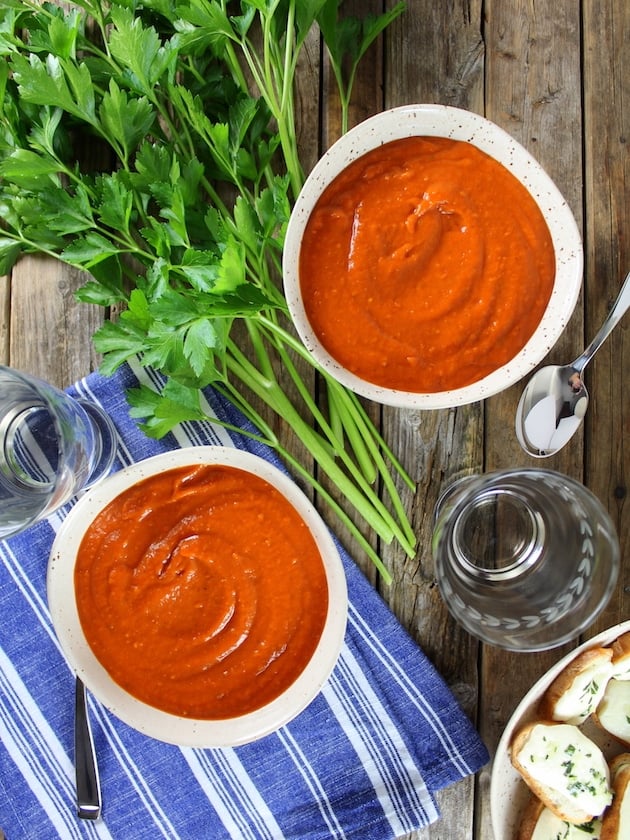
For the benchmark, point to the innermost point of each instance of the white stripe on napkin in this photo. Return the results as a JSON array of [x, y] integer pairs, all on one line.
[[38, 754], [29, 452], [233, 795], [28, 590], [153, 808], [410, 689], [313, 783], [377, 743], [401, 773]]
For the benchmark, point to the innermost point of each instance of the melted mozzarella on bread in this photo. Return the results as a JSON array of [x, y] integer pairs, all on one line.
[[551, 827], [582, 697], [562, 758], [614, 710]]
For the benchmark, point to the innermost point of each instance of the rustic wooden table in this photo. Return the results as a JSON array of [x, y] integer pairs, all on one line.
[[553, 74]]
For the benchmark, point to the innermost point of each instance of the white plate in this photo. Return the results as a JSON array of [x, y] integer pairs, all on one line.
[[508, 792], [458, 124], [147, 719]]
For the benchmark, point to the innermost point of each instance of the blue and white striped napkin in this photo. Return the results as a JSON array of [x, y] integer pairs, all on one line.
[[363, 760]]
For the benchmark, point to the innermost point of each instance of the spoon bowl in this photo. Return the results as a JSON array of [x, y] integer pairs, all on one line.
[[554, 402], [551, 410]]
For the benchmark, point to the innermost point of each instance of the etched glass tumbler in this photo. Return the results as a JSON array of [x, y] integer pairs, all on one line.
[[526, 558], [51, 447]]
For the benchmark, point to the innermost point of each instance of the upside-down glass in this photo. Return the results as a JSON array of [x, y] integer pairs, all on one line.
[[51, 447], [525, 559]]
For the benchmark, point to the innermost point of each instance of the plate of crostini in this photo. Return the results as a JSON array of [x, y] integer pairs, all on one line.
[[581, 699]]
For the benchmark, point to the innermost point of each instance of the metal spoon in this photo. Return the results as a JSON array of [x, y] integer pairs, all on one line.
[[86, 769], [554, 402]]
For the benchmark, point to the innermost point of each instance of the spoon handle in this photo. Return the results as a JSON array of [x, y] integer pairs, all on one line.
[[88, 785], [614, 316]]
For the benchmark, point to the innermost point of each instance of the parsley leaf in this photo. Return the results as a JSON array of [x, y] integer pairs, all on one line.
[[181, 225]]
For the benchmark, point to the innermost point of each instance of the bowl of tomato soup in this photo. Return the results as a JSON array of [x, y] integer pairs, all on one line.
[[199, 596], [429, 260]]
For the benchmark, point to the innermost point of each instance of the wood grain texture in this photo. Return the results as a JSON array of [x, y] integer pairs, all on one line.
[[49, 331], [435, 53], [533, 90], [606, 38], [5, 317]]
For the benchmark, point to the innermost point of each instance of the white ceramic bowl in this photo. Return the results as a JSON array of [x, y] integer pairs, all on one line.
[[455, 123], [508, 792], [145, 718]]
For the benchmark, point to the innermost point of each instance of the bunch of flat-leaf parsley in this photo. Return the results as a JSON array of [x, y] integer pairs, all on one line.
[[183, 228]]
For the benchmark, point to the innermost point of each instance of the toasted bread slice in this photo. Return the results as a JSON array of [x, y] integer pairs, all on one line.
[[618, 763], [578, 688], [616, 821], [539, 823], [621, 657], [613, 711], [564, 769]]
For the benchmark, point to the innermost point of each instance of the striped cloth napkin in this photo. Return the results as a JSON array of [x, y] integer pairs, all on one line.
[[363, 760]]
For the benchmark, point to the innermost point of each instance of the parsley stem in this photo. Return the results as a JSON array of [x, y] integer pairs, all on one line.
[[348, 420], [357, 488], [365, 442], [342, 515], [271, 393], [299, 348]]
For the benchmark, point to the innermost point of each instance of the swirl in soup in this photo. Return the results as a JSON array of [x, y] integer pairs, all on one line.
[[425, 265], [201, 591]]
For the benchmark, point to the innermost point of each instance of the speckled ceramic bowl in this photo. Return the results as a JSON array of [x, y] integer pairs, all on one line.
[[159, 724], [443, 121]]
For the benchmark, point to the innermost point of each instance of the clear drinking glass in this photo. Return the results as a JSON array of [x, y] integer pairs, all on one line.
[[525, 559], [51, 447]]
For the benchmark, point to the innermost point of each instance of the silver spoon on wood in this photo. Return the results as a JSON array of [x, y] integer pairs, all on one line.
[[554, 402]]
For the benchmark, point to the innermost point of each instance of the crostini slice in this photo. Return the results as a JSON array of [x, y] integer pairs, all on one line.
[[575, 693], [539, 823], [613, 711], [616, 821], [564, 768], [621, 657]]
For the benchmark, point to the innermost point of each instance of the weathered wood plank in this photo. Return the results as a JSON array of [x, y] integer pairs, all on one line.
[[435, 53], [366, 100], [5, 317], [606, 34], [49, 330], [533, 90]]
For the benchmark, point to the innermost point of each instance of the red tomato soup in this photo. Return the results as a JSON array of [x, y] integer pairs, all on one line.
[[201, 591], [425, 265]]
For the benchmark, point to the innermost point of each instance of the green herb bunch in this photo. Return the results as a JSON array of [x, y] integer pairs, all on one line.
[[183, 229]]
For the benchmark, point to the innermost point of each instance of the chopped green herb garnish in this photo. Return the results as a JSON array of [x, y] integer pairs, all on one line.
[[590, 689]]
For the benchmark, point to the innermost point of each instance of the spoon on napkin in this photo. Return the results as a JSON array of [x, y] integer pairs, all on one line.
[[87, 780], [554, 402]]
